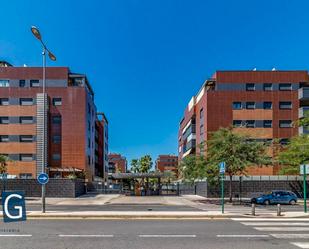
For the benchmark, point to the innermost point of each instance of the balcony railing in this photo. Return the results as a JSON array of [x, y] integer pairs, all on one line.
[[190, 130], [303, 130], [302, 111], [303, 93]]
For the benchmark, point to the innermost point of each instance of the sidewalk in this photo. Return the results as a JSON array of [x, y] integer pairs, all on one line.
[[155, 215]]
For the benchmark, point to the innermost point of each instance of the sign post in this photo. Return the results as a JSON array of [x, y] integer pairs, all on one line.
[[43, 179], [304, 170], [222, 172]]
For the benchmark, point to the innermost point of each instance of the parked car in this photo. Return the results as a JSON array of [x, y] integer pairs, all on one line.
[[276, 197]]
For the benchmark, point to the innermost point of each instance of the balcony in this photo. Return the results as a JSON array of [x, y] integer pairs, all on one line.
[[303, 130], [303, 93], [302, 111], [190, 130]]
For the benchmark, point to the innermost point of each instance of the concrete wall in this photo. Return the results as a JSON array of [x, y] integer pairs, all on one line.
[[246, 189], [54, 188]]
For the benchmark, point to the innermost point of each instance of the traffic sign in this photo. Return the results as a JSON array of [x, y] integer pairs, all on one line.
[[301, 169], [222, 167], [43, 178]]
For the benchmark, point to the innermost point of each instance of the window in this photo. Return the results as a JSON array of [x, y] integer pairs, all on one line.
[[267, 105], [237, 105], [56, 119], [4, 83], [26, 138], [201, 113], [25, 176], [56, 156], [250, 87], [25, 157], [34, 83], [22, 83], [26, 120], [26, 101], [201, 130], [237, 123], [4, 120], [4, 138], [57, 101], [56, 139], [285, 105], [250, 105], [285, 87], [284, 141], [267, 123], [4, 101], [268, 87], [250, 123], [285, 123]]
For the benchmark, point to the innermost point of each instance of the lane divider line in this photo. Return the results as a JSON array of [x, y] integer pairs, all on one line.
[[243, 236], [167, 235], [86, 235], [15, 235]]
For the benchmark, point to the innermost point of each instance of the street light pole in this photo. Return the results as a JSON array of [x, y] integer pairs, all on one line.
[[35, 31]]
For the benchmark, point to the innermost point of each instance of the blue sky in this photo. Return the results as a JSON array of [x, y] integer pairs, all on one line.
[[145, 59]]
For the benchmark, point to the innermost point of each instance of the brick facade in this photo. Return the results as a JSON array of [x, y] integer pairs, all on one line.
[[224, 101]]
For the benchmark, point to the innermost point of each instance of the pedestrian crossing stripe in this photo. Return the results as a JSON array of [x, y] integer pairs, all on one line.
[[301, 244]]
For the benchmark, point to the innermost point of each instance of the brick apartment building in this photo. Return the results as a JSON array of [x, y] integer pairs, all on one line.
[[119, 162], [72, 123], [116, 164], [165, 163], [263, 104]]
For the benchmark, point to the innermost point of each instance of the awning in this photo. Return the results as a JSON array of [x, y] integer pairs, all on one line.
[[54, 169], [137, 175]]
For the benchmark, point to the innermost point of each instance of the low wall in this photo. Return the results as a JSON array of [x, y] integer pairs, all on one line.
[[54, 188], [246, 189]]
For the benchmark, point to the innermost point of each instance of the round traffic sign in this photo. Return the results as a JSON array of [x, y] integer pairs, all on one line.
[[43, 178]]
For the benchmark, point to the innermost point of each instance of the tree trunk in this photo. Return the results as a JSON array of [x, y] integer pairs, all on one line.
[[230, 188]]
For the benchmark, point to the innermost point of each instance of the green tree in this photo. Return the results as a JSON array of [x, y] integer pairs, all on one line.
[[193, 167], [295, 153], [145, 164], [237, 151], [3, 163], [135, 166]]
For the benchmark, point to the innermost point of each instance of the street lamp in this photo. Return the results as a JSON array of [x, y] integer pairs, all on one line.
[[35, 31]]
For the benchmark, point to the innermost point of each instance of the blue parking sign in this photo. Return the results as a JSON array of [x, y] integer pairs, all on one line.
[[222, 168], [13, 206]]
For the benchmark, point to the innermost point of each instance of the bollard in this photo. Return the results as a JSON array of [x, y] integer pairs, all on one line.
[[278, 210], [253, 209]]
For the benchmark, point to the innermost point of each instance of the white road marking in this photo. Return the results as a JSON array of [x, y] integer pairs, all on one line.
[[87, 235], [275, 223], [271, 219], [290, 235], [167, 235], [242, 236], [15, 235], [283, 229], [301, 244]]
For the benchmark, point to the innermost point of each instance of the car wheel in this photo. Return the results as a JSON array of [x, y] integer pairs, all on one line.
[[253, 201], [292, 202], [266, 202]]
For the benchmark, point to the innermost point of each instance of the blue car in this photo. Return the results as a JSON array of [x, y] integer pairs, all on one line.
[[276, 197]]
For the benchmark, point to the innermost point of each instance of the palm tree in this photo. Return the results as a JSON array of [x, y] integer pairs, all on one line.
[[135, 166]]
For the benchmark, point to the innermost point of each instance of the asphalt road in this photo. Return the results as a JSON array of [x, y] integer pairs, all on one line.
[[113, 207], [155, 234], [160, 207]]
